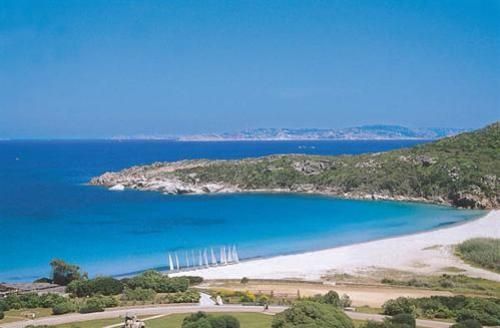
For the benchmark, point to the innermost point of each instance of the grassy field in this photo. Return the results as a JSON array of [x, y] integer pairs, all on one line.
[[16, 315], [247, 320], [481, 252]]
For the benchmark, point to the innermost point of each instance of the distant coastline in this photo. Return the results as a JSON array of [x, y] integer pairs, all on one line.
[[361, 133]]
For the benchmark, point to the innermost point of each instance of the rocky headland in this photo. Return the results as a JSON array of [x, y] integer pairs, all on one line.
[[462, 171]]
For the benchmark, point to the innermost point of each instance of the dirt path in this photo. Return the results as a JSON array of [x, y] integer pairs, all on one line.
[[373, 296]]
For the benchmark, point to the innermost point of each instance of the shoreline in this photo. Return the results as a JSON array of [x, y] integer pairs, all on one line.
[[426, 253]]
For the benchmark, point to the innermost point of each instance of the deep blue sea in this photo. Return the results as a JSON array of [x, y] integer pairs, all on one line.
[[47, 211]]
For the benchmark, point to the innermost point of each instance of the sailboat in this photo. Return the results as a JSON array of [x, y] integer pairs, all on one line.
[[212, 254], [177, 262], [170, 262]]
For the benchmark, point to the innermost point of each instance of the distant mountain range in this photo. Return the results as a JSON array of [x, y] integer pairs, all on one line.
[[367, 132]]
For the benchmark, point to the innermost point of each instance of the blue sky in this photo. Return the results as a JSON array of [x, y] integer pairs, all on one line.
[[104, 68]]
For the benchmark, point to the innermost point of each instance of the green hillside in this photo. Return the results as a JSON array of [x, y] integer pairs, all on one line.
[[462, 170]]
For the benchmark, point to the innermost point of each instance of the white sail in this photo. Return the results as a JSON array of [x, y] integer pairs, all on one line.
[[229, 254], [200, 259], [177, 262], [193, 258], [170, 262], [205, 257], [236, 258], [224, 252], [187, 260], [213, 258]]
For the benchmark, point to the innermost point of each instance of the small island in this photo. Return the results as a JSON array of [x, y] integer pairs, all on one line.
[[462, 171]]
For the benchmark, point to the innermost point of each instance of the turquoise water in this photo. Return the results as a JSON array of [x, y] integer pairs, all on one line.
[[47, 211]]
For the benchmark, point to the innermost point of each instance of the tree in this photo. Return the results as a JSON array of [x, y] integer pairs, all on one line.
[[63, 273], [312, 315]]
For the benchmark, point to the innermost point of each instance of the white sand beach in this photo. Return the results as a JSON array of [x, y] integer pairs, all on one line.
[[422, 253]]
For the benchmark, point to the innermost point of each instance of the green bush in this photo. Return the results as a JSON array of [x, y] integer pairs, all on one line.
[[139, 294], [203, 320], [63, 307], [100, 285], [193, 280], [484, 252], [158, 282], [312, 315], [2, 315], [98, 304], [223, 321], [461, 308], [30, 300], [469, 323], [79, 288], [399, 305], [190, 296], [405, 320]]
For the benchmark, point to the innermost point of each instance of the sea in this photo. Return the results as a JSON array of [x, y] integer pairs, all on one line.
[[48, 211]]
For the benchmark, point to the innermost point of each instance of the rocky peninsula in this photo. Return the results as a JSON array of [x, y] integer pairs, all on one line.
[[461, 171]]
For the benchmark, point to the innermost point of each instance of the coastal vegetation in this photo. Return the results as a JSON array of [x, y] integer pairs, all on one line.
[[204, 320], [94, 295], [459, 308], [402, 320], [482, 252], [458, 283], [461, 170], [312, 314]]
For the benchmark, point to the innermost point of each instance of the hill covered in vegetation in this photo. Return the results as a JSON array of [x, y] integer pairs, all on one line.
[[462, 170]]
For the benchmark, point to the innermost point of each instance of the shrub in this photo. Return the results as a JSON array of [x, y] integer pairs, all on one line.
[[203, 320], [247, 297], [223, 321], [461, 308], [139, 294], [161, 284], [345, 301], [244, 280], [313, 315], [98, 304], [79, 288], [3, 305], [100, 285], [399, 305], [2, 315], [189, 296], [193, 280], [469, 323], [106, 286], [63, 307], [403, 320]]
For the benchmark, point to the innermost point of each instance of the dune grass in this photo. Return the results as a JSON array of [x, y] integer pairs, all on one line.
[[481, 252]]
